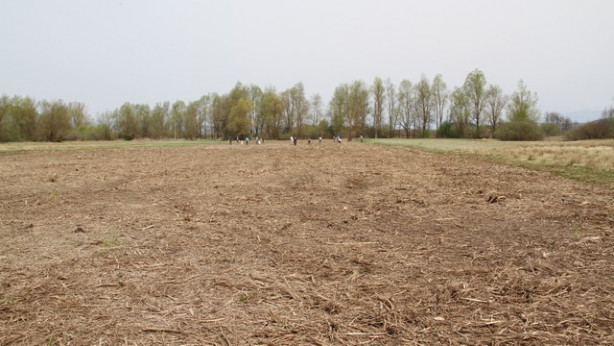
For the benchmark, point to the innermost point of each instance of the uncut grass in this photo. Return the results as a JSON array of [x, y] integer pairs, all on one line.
[[588, 161]]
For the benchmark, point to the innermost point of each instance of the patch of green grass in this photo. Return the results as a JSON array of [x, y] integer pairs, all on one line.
[[576, 229], [585, 161], [21, 147], [113, 239]]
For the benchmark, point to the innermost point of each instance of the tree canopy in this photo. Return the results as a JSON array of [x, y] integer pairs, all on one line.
[[383, 109]]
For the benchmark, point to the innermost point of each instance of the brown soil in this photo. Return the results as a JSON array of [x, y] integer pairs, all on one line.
[[275, 244]]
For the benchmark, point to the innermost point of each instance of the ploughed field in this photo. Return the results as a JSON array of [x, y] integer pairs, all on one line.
[[286, 245]]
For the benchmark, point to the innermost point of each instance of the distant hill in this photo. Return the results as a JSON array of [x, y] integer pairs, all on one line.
[[583, 116]]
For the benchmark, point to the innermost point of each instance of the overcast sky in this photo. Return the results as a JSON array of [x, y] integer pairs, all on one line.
[[104, 53]]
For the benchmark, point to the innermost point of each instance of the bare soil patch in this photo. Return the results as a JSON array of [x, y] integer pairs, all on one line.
[[276, 244]]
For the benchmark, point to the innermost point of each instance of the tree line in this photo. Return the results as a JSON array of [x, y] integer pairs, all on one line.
[[424, 108]]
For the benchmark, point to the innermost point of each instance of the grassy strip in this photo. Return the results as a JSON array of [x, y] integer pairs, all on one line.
[[519, 154], [21, 147]]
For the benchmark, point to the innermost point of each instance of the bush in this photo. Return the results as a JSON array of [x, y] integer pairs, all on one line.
[[446, 130], [551, 129], [598, 129], [522, 130]]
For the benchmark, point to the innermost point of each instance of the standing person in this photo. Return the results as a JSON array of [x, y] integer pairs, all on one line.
[[360, 138], [291, 139], [246, 140], [295, 140], [308, 141], [320, 140]]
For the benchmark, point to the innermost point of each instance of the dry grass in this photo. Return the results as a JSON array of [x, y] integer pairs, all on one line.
[[591, 161]]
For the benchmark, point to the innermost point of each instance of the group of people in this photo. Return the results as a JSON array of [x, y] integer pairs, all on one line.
[[293, 140], [259, 140]]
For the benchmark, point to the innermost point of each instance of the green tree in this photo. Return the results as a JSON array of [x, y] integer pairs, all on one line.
[[24, 114], [157, 127], [358, 108], [523, 105], [54, 121], [126, 124], [339, 108], [523, 116], [271, 110], [142, 114], [5, 105], [239, 120], [475, 89]]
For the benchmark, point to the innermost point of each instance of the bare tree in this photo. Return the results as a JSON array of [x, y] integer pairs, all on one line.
[[379, 96], [475, 88], [393, 109], [459, 111], [423, 104], [315, 109], [78, 114], [495, 103], [255, 95], [406, 106], [440, 98]]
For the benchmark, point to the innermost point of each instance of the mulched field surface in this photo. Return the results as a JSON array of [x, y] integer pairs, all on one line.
[[296, 245]]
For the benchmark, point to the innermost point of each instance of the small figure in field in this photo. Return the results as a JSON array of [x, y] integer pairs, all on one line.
[[238, 142], [339, 139], [291, 140], [360, 138], [295, 140], [320, 140], [246, 140], [308, 141]]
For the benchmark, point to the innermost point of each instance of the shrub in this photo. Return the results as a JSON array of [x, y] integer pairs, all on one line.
[[551, 129], [598, 129], [521, 130], [447, 130]]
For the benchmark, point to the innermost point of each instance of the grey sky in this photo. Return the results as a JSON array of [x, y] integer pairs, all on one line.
[[104, 53]]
